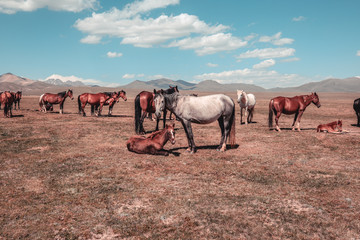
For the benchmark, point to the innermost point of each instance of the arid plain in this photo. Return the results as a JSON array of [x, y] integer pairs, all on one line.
[[71, 177]]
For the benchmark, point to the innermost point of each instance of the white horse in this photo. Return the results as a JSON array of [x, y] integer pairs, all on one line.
[[248, 102]]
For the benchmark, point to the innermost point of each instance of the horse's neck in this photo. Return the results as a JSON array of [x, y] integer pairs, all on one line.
[[244, 98], [171, 101], [160, 137], [307, 99]]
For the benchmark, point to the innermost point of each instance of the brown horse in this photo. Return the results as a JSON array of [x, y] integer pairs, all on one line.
[[48, 99], [18, 96], [356, 107], [95, 99], [110, 101], [332, 127], [7, 99], [144, 103], [289, 106], [154, 143]]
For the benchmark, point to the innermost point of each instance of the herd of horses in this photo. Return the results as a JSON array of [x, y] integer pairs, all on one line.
[[187, 109]]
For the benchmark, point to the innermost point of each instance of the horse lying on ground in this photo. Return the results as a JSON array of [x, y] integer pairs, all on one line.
[[201, 110], [247, 102], [292, 105], [48, 99], [7, 98], [333, 127], [154, 143]]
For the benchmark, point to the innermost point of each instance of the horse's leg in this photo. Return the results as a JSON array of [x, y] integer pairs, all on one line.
[[293, 125], [93, 109], [299, 119], [251, 111], [222, 127], [358, 117], [187, 127], [61, 108], [110, 110], [83, 108], [100, 109], [164, 120], [142, 130], [241, 114], [246, 115], [278, 114]]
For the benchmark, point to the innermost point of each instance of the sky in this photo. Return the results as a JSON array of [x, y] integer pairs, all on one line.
[[269, 43]]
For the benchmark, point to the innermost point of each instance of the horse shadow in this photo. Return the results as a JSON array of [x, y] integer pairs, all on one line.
[[253, 122], [19, 115], [290, 129], [228, 146], [355, 125], [116, 116]]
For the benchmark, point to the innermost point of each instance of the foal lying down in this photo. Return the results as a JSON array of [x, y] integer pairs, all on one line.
[[154, 143], [333, 127]]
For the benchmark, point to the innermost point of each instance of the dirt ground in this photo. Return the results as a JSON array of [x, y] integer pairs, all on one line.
[[71, 177]]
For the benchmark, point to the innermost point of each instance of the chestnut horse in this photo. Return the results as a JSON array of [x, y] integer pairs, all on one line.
[[144, 103], [333, 127], [95, 99], [59, 98], [7, 99], [18, 96], [356, 107], [154, 143], [110, 102], [289, 106]]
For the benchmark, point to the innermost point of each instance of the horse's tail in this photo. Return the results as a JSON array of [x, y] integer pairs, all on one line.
[[137, 114], [271, 113], [41, 102], [232, 138], [79, 104]]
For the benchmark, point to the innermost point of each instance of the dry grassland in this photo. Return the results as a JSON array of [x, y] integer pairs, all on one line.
[[71, 177]]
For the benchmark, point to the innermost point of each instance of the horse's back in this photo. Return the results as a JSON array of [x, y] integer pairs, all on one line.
[[357, 105]]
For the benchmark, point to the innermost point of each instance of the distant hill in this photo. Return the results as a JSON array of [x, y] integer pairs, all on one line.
[[58, 82], [11, 82]]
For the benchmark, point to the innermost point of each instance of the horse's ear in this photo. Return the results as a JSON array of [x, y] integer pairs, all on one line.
[[154, 91], [173, 125], [162, 91], [176, 88]]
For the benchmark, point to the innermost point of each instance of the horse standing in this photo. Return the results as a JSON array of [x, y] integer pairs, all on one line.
[[289, 106], [95, 99], [144, 103], [48, 99], [7, 99], [18, 96], [247, 102], [154, 143], [356, 107], [201, 110], [111, 102]]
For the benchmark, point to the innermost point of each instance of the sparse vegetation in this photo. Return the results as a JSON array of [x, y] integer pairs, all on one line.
[[71, 177]]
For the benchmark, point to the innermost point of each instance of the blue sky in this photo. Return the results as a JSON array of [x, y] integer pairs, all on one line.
[[264, 42]]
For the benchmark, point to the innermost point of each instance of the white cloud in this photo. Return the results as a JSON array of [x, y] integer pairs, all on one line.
[[13, 6], [73, 78], [358, 53], [91, 39], [212, 64], [210, 44], [267, 53], [127, 76], [299, 19], [276, 39], [144, 6], [114, 54], [294, 59], [260, 77], [265, 64]]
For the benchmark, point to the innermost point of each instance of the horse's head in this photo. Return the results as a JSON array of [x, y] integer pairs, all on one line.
[[159, 102], [339, 125], [18, 95], [170, 131], [70, 94], [240, 94], [122, 94], [315, 99]]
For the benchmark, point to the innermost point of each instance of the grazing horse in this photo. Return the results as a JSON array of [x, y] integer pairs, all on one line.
[[110, 101], [332, 127], [144, 103], [18, 96], [289, 106], [154, 143], [247, 102], [201, 110], [357, 110], [7, 99], [95, 99], [48, 99]]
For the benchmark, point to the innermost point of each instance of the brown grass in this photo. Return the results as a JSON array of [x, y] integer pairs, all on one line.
[[71, 177]]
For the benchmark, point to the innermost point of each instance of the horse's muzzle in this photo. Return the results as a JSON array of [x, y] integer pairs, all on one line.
[[318, 105], [173, 141]]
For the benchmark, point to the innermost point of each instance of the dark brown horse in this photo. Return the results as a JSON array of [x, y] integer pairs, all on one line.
[[154, 143], [18, 96], [95, 99], [48, 99], [7, 99], [357, 110], [110, 101], [295, 105], [144, 103]]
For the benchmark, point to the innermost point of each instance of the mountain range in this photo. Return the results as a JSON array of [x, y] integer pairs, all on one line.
[[12, 82]]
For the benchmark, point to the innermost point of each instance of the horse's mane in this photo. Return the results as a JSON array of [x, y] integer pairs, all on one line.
[[62, 94], [152, 135]]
